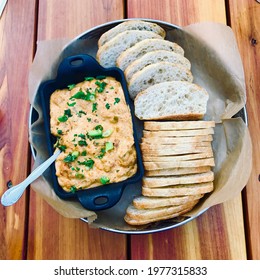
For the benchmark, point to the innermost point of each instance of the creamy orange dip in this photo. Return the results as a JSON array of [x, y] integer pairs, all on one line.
[[93, 125]]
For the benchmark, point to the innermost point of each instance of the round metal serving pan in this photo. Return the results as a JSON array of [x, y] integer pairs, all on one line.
[[113, 219]]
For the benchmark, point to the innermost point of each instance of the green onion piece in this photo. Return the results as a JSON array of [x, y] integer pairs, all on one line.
[[107, 133], [59, 131], [71, 157], [107, 106], [104, 180], [117, 100], [88, 78], [71, 104], [82, 143], [109, 146], [63, 118], [84, 153], [95, 133], [100, 77], [99, 127], [70, 87], [73, 189]]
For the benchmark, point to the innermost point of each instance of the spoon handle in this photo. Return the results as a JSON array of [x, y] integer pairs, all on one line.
[[14, 193]]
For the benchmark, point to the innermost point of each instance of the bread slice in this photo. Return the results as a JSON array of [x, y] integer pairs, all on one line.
[[159, 182], [177, 157], [187, 163], [177, 146], [156, 73], [143, 202], [141, 48], [144, 214], [175, 100], [143, 221], [131, 25], [155, 57], [108, 53], [177, 171], [179, 133], [176, 140], [189, 189], [177, 125]]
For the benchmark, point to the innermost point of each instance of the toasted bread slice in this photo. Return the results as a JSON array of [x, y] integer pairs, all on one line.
[[187, 163], [177, 171], [156, 73], [155, 57], [159, 182], [178, 133], [177, 125], [141, 48], [174, 100], [135, 222], [177, 146], [176, 140], [144, 214], [177, 157], [131, 25], [189, 189], [143, 202], [109, 52]]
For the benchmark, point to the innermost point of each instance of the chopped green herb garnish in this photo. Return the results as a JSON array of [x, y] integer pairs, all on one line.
[[109, 146], [117, 100], [88, 78], [63, 118], [71, 157], [81, 135], [88, 163], [99, 127], [70, 87], [71, 104], [59, 131], [102, 153], [112, 87], [79, 95], [107, 133], [82, 143], [104, 180], [67, 113], [73, 189], [95, 134], [62, 148], [101, 86], [107, 106], [100, 77], [89, 119], [94, 107], [84, 153]]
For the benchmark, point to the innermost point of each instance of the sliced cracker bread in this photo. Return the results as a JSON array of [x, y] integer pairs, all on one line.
[[189, 189], [175, 100], [155, 57], [176, 140], [178, 133], [143, 202], [177, 125], [141, 48], [177, 171], [109, 52], [154, 74], [131, 25]]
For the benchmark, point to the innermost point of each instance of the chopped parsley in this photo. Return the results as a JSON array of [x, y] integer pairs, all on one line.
[[102, 153], [88, 163], [94, 107], [67, 114], [70, 87], [73, 189], [62, 118], [107, 106], [104, 180], [101, 86], [71, 157], [59, 131], [71, 104], [82, 143], [100, 77], [84, 153], [88, 78], [117, 100]]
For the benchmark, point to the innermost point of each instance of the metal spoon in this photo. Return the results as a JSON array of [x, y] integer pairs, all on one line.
[[14, 193]]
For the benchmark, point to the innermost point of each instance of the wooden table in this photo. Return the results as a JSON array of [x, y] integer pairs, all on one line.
[[31, 229]]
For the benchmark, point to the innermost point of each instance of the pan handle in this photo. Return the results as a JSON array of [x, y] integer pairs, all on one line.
[[100, 198]]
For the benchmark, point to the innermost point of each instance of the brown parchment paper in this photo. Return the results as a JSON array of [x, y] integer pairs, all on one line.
[[216, 65]]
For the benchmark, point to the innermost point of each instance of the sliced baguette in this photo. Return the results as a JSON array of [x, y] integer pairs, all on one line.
[[187, 163], [177, 157], [154, 74], [177, 125], [177, 146], [176, 140], [155, 57], [175, 100], [108, 53], [143, 202], [131, 25], [138, 222], [144, 214], [177, 171], [159, 182], [190, 189], [141, 48]]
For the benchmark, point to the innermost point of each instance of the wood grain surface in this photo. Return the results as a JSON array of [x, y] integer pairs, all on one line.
[[31, 229], [52, 236], [191, 239], [245, 22], [14, 107]]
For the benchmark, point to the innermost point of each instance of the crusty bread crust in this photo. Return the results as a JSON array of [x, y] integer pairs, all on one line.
[[131, 25]]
